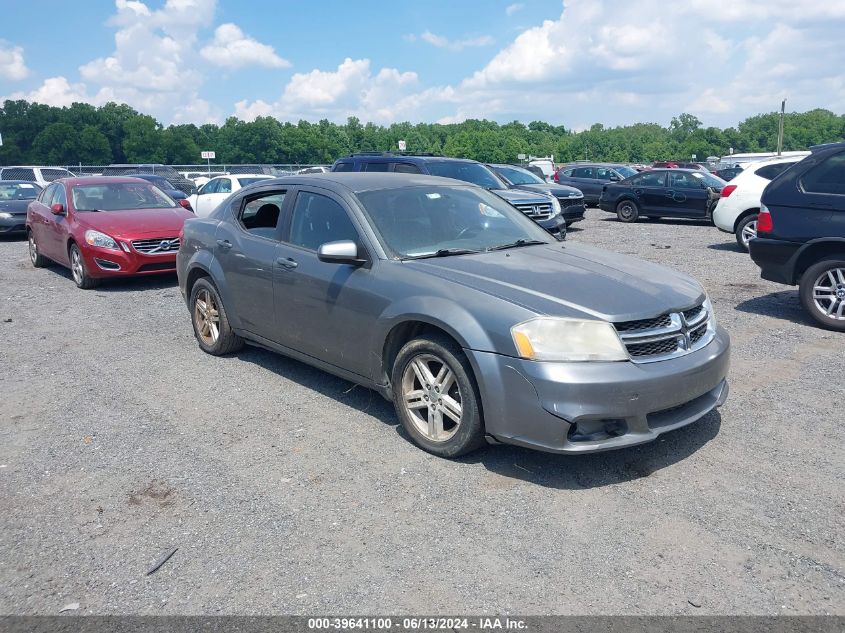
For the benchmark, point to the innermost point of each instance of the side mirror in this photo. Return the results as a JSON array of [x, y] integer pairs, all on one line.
[[57, 209], [183, 202], [340, 252]]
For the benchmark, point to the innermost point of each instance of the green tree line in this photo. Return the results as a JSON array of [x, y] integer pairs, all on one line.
[[34, 133]]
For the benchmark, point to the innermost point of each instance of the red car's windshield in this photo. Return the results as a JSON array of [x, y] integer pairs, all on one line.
[[120, 196]]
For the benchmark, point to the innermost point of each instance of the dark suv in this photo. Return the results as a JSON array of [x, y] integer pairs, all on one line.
[[591, 177], [801, 233], [543, 208], [571, 199], [173, 176]]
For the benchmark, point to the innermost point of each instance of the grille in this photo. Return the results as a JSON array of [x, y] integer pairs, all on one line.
[[667, 335], [644, 324], [541, 211], [157, 246], [655, 348]]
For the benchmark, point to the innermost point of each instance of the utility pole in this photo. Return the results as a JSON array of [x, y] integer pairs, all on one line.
[[780, 126]]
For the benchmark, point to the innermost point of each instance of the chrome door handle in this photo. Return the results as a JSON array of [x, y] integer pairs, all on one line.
[[226, 244], [288, 262]]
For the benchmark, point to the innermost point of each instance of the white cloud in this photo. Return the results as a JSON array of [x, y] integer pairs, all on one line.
[[351, 89], [516, 7], [12, 64], [232, 49], [440, 41], [57, 91]]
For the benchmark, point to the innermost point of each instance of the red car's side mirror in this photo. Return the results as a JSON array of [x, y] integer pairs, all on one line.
[[185, 204], [58, 209]]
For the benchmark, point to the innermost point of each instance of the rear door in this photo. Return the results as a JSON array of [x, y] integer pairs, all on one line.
[[39, 219], [824, 189], [247, 250], [686, 195], [324, 310], [649, 188]]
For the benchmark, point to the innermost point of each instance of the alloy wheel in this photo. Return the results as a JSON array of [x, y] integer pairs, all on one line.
[[207, 317], [829, 293], [76, 266], [749, 232], [432, 398], [33, 249]]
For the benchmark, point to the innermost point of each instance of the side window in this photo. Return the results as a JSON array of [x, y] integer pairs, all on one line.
[[209, 187], [60, 196], [585, 172], [649, 179], [683, 180], [344, 167], [828, 177], [18, 173], [54, 174], [317, 219], [260, 215], [46, 197], [568, 173], [603, 173], [224, 185], [376, 166], [406, 168]]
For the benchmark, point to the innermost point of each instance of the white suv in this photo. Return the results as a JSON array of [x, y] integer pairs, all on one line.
[[42, 175], [737, 209]]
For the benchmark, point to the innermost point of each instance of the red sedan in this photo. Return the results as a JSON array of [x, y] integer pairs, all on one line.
[[103, 227]]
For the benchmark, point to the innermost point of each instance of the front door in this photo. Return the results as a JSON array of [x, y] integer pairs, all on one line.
[[324, 310]]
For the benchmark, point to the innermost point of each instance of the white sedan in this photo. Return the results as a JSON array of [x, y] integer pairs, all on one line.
[[218, 189], [738, 208]]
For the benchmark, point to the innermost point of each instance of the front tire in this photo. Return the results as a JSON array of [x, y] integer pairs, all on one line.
[[211, 325], [822, 292], [746, 231], [78, 271], [436, 398], [38, 260], [627, 211]]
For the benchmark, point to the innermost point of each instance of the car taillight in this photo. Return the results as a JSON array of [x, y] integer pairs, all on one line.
[[554, 177], [764, 220], [728, 190]]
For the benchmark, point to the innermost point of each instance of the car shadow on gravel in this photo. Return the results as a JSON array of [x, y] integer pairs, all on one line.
[[580, 472], [122, 284], [731, 247], [784, 305], [666, 221]]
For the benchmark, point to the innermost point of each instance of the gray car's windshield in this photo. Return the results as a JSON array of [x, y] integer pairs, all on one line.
[[19, 191], [427, 220], [476, 173], [120, 196], [519, 176]]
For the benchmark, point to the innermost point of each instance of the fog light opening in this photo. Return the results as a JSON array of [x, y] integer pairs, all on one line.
[[597, 430]]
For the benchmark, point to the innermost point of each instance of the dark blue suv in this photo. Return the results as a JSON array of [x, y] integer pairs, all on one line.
[[801, 233], [543, 208]]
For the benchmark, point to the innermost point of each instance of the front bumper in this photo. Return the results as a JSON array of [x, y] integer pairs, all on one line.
[[15, 224], [776, 259], [592, 407], [554, 225], [106, 262], [572, 212]]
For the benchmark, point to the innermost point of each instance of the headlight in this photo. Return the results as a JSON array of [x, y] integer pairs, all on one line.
[[101, 240], [562, 339], [5, 216], [555, 205], [708, 305]]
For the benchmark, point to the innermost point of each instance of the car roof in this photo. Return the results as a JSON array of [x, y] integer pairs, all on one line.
[[33, 167], [263, 176], [99, 180], [396, 158], [826, 146], [358, 182], [583, 164]]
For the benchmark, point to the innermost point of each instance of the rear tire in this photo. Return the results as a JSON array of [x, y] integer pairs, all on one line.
[[208, 317], [436, 398], [78, 271], [746, 230], [38, 260], [822, 292], [627, 211]]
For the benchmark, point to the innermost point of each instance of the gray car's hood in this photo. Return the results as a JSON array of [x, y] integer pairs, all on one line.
[[517, 196], [571, 280]]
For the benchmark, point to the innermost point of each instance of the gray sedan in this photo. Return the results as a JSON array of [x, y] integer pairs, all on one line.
[[447, 300]]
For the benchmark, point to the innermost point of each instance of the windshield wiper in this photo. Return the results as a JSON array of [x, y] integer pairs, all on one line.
[[90, 210], [516, 244], [444, 252]]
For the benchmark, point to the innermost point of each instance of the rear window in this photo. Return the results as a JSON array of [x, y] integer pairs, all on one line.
[[248, 181], [54, 174], [828, 177], [475, 173], [343, 167], [376, 167], [770, 172]]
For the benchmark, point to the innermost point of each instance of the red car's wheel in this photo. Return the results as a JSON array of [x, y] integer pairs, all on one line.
[[77, 269]]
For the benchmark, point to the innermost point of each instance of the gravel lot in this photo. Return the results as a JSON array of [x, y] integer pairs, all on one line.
[[287, 490]]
